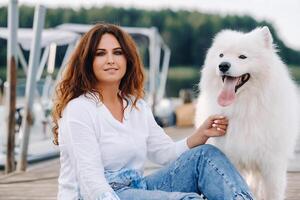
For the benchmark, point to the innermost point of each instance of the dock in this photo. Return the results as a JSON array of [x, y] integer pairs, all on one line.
[[39, 182]]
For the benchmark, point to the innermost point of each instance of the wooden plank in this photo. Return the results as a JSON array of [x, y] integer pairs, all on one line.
[[40, 183]]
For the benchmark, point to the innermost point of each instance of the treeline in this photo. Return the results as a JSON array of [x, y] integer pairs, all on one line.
[[188, 33]]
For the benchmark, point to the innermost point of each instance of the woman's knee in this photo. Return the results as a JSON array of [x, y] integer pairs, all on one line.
[[208, 150], [200, 155]]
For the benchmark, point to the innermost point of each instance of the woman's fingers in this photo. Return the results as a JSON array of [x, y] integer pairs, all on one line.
[[221, 121], [221, 126], [215, 132], [215, 119], [215, 125]]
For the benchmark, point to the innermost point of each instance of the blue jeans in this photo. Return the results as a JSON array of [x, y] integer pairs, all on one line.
[[202, 172]]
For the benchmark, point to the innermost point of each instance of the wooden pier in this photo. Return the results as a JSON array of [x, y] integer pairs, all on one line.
[[39, 182]]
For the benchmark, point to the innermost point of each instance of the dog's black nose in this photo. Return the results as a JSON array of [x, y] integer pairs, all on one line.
[[224, 66]]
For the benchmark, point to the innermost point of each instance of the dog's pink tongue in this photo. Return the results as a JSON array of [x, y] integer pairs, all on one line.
[[227, 94]]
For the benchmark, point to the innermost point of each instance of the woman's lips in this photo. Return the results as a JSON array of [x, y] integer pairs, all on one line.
[[111, 69]]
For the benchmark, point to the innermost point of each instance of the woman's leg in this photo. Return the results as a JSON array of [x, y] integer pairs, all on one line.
[[140, 194], [203, 169]]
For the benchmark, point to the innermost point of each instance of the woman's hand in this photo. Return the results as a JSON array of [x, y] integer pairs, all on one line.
[[213, 126]]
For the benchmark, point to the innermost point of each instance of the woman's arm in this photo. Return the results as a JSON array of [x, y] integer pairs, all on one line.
[[162, 149]]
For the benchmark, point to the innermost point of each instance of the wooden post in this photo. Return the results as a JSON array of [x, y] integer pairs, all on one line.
[[34, 59], [12, 80], [10, 155]]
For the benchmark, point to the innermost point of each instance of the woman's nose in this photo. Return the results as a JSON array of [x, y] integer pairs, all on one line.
[[110, 59]]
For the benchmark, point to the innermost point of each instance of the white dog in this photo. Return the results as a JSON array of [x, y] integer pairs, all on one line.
[[244, 79]]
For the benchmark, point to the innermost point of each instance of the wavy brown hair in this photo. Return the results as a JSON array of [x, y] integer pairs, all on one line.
[[79, 78]]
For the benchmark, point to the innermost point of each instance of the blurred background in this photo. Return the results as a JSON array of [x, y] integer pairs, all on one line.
[[187, 27]]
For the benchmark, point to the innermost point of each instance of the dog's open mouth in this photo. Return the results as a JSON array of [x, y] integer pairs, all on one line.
[[241, 80], [230, 87]]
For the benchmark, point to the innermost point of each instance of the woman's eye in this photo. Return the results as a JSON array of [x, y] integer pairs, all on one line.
[[242, 57], [118, 53], [100, 53], [221, 55]]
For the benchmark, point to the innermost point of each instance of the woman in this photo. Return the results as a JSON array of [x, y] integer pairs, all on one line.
[[106, 131]]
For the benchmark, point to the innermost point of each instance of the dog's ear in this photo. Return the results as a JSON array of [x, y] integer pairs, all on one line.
[[267, 37]]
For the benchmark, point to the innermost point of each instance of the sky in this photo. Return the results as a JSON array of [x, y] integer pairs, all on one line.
[[283, 14]]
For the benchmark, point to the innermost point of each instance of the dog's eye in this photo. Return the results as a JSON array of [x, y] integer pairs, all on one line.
[[221, 55], [242, 57]]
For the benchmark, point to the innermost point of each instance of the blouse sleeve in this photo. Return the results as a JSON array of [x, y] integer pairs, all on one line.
[[161, 148], [86, 154]]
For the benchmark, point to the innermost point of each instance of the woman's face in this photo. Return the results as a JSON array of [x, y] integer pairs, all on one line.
[[109, 63]]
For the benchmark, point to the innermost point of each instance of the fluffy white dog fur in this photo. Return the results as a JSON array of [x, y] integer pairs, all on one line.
[[263, 112]]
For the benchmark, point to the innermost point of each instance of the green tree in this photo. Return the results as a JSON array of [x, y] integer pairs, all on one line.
[[188, 33]]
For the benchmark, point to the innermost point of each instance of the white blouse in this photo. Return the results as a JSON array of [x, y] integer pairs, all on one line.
[[92, 141]]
